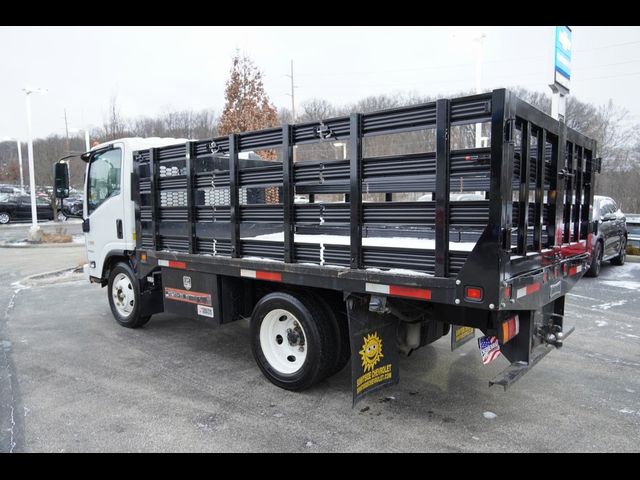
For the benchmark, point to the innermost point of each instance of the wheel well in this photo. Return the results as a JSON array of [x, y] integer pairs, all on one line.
[[108, 264], [333, 298]]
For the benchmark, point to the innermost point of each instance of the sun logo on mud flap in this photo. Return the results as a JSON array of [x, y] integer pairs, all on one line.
[[371, 352]]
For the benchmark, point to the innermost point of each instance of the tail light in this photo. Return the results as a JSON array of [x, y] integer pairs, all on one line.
[[473, 294], [509, 329]]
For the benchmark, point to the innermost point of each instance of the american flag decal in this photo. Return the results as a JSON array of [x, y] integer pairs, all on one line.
[[489, 349]]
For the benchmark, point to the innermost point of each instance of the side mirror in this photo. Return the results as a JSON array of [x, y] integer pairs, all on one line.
[[61, 180]]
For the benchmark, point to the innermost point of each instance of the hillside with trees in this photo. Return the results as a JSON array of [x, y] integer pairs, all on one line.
[[247, 107]]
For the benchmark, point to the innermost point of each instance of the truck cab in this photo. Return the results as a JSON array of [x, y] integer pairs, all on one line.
[[109, 211]]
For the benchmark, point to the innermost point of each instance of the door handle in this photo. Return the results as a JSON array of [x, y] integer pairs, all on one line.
[[119, 228]]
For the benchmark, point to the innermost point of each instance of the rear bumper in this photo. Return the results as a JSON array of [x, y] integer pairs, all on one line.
[[516, 370]]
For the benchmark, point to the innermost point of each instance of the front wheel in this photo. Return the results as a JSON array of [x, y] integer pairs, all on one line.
[[292, 340], [124, 297], [596, 261], [4, 218], [62, 217]]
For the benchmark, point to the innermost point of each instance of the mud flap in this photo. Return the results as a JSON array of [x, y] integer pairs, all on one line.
[[374, 353]]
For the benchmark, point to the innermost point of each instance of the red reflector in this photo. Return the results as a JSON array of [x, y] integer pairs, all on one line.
[[534, 287], [573, 271], [272, 276], [174, 264], [473, 293], [507, 292], [421, 293], [468, 157]]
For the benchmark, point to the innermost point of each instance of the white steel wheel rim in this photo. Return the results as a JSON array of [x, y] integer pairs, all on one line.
[[4, 218], [123, 294], [283, 341], [62, 217]]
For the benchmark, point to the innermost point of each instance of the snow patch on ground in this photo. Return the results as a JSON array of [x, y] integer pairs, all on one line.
[[582, 296], [601, 323], [489, 415], [629, 285], [607, 306], [627, 270], [629, 411]]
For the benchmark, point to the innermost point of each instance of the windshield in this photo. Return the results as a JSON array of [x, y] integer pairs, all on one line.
[[104, 177]]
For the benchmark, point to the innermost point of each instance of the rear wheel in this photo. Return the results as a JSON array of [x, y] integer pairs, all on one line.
[[292, 340], [622, 256], [4, 218], [596, 261], [124, 297], [62, 217], [337, 314]]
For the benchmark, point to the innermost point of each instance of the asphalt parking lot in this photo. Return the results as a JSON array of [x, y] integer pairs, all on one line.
[[73, 380]]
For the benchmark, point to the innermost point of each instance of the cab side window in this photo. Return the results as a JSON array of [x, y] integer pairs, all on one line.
[[104, 178]]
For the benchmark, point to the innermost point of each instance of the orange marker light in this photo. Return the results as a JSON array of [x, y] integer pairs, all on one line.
[[510, 328]]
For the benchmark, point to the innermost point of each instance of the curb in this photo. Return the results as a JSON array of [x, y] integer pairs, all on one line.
[[42, 224], [43, 245], [633, 258], [38, 276]]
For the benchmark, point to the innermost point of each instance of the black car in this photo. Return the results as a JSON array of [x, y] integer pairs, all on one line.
[[609, 240], [18, 207]]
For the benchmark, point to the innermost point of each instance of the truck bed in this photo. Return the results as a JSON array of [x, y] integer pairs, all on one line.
[[201, 206]]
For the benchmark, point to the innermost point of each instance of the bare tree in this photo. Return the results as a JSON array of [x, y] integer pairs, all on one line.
[[113, 126]]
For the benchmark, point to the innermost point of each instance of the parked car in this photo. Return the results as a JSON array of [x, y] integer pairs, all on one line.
[[71, 207], [633, 229], [4, 188], [18, 207], [609, 237]]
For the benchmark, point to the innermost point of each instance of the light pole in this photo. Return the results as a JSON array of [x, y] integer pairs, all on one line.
[[10, 139], [34, 231], [87, 145]]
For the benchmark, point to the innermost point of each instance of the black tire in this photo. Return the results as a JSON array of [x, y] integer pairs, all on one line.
[[4, 218], [622, 256], [596, 261], [133, 319], [319, 335], [336, 312]]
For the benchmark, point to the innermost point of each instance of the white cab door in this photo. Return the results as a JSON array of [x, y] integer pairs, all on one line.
[[104, 207]]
